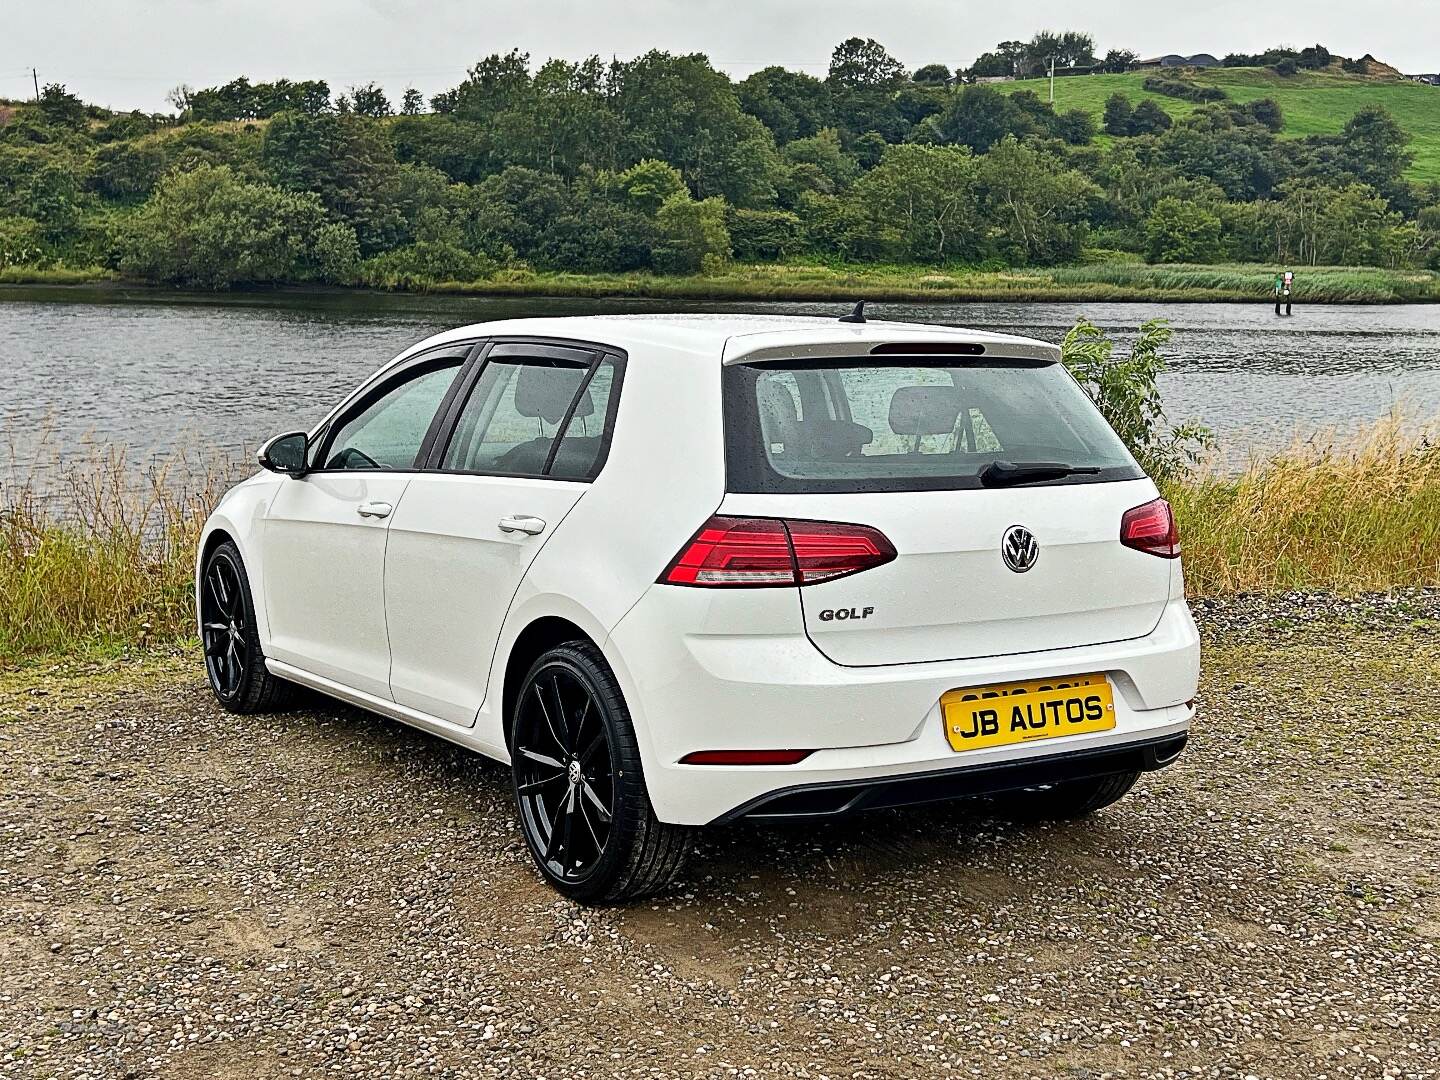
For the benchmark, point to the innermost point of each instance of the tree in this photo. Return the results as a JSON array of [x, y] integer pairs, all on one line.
[[693, 234], [412, 103], [931, 75], [179, 97], [1266, 111], [1373, 150], [649, 184], [61, 108], [1181, 232], [978, 117], [1127, 393], [496, 84], [1118, 61], [1002, 62], [992, 65], [1035, 207], [1118, 114], [1149, 118], [927, 194], [820, 163], [599, 237], [863, 81], [863, 64], [764, 235], [791, 104], [681, 110], [209, 228], [1075, 126], [369, 100], [1068, 49], [348, 164]]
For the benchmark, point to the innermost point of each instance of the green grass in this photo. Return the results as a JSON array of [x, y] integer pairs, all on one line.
[[1097, 281], [55, 275], [1314, 103], [1104, 276]]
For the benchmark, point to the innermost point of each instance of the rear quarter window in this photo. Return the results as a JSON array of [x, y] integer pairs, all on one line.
[[909, 424]]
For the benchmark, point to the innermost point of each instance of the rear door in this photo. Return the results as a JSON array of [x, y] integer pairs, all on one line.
[[524, 439], [900, 445]]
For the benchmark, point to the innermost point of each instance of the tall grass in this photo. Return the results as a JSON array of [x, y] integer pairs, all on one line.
[[99, 555], [1346, 514], [1110, 280]]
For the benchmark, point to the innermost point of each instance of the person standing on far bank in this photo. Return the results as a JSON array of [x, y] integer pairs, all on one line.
[[1284, 283]]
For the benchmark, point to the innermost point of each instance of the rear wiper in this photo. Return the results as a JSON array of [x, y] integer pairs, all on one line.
[[1009, 473]]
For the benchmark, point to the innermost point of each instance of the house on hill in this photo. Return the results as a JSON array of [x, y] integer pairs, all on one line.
[[1173, 60]]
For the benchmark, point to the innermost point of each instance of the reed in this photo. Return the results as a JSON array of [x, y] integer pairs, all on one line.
[[1346, 514], [99, 555]]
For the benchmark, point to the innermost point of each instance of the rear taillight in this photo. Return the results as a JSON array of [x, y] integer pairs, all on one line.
[[766, 552], [1151, 528]]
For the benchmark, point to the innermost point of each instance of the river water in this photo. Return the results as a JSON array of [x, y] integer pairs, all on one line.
[[153, 372]]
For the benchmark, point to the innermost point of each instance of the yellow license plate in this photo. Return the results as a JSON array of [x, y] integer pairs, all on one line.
[[980, 716]]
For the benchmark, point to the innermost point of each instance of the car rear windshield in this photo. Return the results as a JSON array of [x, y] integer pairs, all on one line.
[[910, 424]]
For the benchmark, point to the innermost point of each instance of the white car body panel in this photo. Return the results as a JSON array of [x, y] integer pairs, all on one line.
[[450, 574], [702, 668], [325, 572]]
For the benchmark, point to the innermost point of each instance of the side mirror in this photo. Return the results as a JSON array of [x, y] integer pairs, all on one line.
[[286, 454]]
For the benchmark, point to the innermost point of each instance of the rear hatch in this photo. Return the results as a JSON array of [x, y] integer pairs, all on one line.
[[909, 445]]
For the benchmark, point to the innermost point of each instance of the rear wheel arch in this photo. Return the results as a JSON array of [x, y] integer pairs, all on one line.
[[537, 638]]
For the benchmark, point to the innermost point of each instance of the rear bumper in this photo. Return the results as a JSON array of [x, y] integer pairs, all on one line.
[[696, 679], [807, 802]]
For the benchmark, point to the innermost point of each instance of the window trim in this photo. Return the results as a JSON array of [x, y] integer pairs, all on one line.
[[529, 349], [382, 383]]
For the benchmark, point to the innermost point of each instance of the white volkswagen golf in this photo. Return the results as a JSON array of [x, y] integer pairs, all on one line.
[[679, 570]]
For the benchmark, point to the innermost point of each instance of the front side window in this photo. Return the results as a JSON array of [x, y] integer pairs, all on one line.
[[534, 417], [387, 432], [909, 424]]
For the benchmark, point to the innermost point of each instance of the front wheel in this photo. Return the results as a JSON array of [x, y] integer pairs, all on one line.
[[579, 787], [234, 663], [1068, 800]]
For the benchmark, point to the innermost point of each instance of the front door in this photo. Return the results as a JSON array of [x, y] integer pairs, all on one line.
[[324, 534], [530, 435]]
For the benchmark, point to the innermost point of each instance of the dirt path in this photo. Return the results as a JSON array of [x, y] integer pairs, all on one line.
[[186, 893]]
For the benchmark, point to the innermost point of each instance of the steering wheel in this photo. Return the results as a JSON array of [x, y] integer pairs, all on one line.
[[346, 459]]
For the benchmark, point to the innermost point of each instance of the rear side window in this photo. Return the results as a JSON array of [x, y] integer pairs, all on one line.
[[910, 424], [534, 418]]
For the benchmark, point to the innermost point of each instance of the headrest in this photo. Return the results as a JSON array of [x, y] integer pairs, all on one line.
[[546, 392], [924, 410], [778, 414]]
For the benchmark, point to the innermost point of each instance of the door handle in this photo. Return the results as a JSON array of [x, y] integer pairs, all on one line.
[[374, 509], [522, 523]]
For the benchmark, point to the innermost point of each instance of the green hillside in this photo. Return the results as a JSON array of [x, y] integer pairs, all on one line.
[[1314, 103]]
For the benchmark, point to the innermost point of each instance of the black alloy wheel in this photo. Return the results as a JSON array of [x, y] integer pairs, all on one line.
[[564, 772], [222, 625], [579, 786], [234, 663]]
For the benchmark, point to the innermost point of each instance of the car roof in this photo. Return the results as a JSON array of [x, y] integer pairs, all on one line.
[[733, 337]]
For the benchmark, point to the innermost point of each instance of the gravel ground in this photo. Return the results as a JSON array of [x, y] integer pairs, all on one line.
[[185, 893]]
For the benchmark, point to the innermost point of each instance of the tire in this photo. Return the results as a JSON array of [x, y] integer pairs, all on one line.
[[575, 761], [1067, 801], [234, 663]]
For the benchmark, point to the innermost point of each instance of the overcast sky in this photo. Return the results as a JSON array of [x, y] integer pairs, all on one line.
[[128, 53]]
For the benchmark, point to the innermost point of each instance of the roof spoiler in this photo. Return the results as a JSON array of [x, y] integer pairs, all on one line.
[[760, 348]]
